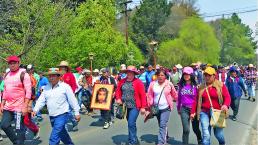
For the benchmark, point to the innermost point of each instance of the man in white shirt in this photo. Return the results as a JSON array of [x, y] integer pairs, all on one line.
[[58, 96]]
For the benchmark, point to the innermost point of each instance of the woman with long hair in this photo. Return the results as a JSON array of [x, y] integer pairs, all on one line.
[[162, 93], [187, 94]]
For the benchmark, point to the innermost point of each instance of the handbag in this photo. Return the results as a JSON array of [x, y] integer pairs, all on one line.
[[121, 111], [155, 108], [218, 117]]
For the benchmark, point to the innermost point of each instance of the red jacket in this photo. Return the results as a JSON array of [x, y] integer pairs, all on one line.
[[139, 93], [214, 99], [70, 80], [223, 76]]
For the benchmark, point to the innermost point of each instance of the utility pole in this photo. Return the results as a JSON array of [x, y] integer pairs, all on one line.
[[125, 11]]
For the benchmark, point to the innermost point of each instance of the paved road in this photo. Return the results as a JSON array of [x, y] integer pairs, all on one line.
[[91, 132]]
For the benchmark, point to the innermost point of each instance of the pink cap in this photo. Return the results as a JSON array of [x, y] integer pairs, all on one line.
[[13, 58], [188, 70]]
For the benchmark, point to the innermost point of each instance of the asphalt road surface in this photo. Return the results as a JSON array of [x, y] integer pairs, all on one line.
[[91, 132]]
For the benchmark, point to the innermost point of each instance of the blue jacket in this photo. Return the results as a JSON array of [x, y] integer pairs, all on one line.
[[235, 86], [142, 77], [149, 75], [42, 82]]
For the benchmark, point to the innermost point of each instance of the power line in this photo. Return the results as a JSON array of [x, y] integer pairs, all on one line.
[[237, 9], [240, 12]]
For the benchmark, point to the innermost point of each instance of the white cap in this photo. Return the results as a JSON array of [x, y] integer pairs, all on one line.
[[29, 66], [85, 71], [7, 70], [96, 71]]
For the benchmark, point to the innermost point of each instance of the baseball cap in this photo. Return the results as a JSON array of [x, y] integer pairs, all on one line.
[[188, 70], [209, 70], [13, 58]]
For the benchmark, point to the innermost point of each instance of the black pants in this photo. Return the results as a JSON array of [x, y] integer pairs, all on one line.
[[17, 135], [106, 114], [235, 105], [185, 118]]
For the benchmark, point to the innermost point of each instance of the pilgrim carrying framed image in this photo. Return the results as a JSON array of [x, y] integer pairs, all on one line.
[[102, 96]]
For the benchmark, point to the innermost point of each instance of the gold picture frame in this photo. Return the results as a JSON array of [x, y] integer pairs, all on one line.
[[102, 96]]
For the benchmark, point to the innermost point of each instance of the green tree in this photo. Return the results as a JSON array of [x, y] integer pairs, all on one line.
[[45, 32], [180, 10], [237, 43], [33, 25], [196, 42], [92, 31], [147, 20]]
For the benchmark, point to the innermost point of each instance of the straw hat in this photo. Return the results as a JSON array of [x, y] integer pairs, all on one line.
[[54, 71], [179, 66], [133, 69], [63, 63], [250, 65], [96, 71]]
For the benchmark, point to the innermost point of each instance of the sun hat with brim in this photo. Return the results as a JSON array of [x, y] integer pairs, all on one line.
[[13, 58], [187, 70], [179, 66], [85, 71], [54, 71], [132, 68], [64, 64], [194, 64], [250, 65], [210, 71], [96, 71]]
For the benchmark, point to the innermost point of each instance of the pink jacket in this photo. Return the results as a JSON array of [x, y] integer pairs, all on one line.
[[15, 92], [169, 90]]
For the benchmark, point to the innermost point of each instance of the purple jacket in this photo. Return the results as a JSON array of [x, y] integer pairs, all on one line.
[[186, 96]]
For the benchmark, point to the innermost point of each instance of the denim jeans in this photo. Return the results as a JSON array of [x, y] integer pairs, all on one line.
[[17, 135], [185, 119], [79, 95], [251, 90], [235, 105], [206, 130], [58, 130], [163, 118], [132, 115]]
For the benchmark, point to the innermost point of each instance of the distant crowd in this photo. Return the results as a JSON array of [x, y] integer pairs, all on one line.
[[197, 90]]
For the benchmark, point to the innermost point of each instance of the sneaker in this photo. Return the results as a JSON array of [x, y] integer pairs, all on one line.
[[106, 125], [234, 118], [36, 135], [1, 138], [253, 99], [75, 128]]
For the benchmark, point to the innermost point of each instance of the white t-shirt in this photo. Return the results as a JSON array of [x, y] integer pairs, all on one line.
[[163, 104]]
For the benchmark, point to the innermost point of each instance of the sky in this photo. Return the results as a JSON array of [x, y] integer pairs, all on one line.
[[211, 7]]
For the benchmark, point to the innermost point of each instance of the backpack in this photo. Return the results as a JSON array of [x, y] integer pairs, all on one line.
[[21, 77]]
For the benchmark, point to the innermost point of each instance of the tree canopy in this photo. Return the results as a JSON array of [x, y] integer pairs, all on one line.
[[196, 42], [44, 33]]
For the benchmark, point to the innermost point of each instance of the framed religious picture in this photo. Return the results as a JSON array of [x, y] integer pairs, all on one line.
[[102, 96]]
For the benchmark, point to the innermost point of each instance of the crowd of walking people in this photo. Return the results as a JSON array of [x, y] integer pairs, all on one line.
[[195, 89]]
